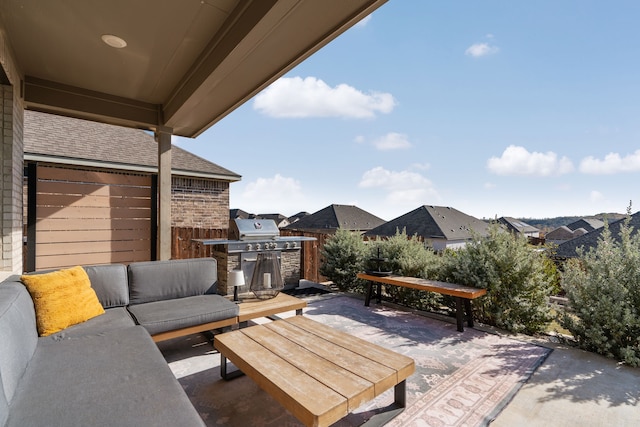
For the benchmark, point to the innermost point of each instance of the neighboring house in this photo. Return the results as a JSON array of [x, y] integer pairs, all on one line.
[[518, 226], [238, 214], [280, 220], [441, 227], [588, 224], [563, 234], [90, 192], [333, 217], [590, 240], [298, 216], [575, 229]]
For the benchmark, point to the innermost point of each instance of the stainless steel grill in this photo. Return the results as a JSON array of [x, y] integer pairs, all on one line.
[[247, 238], [256, 235]]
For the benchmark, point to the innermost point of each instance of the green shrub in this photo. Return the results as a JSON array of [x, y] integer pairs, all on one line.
[[603, 290], [518, 279], [345, 254], [408, 256]]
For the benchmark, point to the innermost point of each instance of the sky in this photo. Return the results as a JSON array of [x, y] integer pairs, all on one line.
[[495, 108]]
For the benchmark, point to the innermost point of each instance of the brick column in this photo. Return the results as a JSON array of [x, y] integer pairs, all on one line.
[[164, 194], [11, 170]]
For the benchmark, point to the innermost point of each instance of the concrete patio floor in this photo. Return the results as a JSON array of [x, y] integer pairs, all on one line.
[[575, 388]]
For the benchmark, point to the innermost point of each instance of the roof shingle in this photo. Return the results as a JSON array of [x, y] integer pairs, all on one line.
[[62, 139]]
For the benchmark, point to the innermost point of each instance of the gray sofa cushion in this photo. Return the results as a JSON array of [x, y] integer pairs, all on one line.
[[169, 315], [161, 280], [113, 318], [110, 284], [118, 378], [18, 336]]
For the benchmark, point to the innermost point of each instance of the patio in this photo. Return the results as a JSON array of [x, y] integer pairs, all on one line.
[[475, 378]]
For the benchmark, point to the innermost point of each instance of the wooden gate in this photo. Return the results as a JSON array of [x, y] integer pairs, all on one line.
[[88, 217]]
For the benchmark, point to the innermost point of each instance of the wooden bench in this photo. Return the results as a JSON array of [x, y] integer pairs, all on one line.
[[317, 373], [463, 294]]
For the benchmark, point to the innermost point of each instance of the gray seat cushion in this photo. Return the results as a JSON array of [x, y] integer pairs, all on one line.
[[118, 378], [169, 315], [113, 318]]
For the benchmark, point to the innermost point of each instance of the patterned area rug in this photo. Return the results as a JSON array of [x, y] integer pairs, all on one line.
[[461, 379]]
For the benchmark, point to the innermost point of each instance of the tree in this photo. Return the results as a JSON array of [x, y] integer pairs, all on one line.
[[603, 290], [345, 254], [516, 275]]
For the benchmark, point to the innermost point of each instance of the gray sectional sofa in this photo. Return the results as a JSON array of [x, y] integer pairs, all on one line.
[[107, 371]]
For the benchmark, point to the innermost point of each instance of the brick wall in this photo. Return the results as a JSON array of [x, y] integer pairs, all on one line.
[[199, 203], [11, 148]]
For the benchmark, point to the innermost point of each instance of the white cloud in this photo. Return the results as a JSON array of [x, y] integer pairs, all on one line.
[[270, 195], [489, 186], [404, 187], [296, 97], [392, 141], [478, 50], [359, 139], [518, 161], [611, 164]]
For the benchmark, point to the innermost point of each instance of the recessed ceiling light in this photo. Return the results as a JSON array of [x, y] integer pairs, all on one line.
[[114, 41]]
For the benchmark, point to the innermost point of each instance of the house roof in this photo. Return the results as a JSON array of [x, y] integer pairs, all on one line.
[[238, 213], [332, 217], [278, 218], [298, 216], [181, 66], [58, 139], [433, 222], [588, 224], [515, 224], [561, 233], [590, 240]]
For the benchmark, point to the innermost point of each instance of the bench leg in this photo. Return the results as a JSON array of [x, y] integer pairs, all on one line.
[[367, 298], [393, 410], [467, 308], [459, 314]]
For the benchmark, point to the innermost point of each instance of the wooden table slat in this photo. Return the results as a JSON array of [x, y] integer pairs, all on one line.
[[252, 308], [403, 365], [355, 388], [372, 370]]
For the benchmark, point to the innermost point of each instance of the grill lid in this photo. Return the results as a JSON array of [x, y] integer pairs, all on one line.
[[253, 229]]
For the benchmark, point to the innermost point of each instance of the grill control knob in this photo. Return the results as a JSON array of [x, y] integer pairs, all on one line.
[[286, 245], [249, 247], [294, 244], [257, 246]]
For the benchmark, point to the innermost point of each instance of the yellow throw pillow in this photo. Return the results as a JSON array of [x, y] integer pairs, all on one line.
[[62, 298]]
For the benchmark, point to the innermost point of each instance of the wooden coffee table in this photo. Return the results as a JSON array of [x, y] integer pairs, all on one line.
[[253, 308], [317, 373]]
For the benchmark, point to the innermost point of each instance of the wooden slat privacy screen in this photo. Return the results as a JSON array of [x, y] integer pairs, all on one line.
[[91, 217]]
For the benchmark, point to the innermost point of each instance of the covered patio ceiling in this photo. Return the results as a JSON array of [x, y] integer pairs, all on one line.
[[186, 63]]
